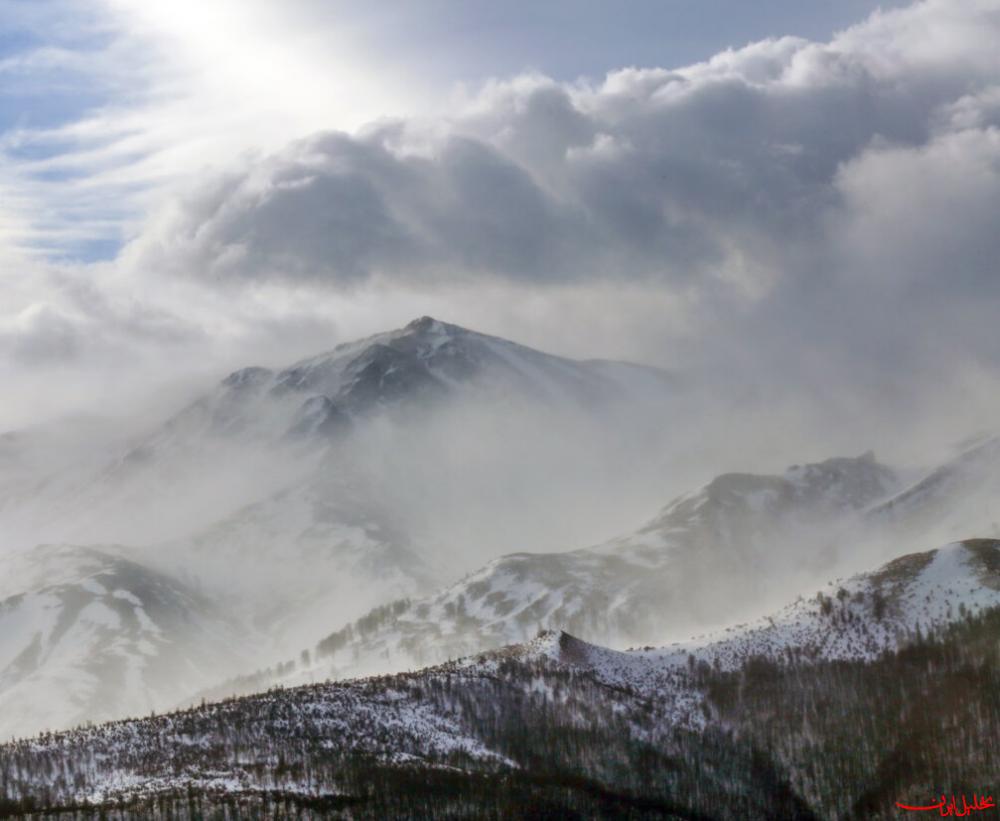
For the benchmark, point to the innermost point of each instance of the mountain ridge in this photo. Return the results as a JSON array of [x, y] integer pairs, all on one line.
[[627, 589], [646, 732]]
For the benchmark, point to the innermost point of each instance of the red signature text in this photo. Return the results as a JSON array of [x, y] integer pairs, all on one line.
[[948, 808]]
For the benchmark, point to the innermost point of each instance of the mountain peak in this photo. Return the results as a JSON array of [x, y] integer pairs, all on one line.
[[426, 324]]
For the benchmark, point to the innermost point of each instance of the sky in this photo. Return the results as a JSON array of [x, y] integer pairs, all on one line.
[[795, 201], [85, 83]]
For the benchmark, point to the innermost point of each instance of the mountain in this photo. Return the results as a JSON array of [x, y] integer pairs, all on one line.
[[354, 487], [713, 556], [354, 520], [781, 728], [289, 499], [86, 634], [857, 619], [431, 359], [707, 557], [424, 362], [953, 499], [261, 429]]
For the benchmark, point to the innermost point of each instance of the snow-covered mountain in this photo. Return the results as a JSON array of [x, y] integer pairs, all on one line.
[[429, 358], [856, 619], [425, 361], [716, 555], [292, 499], [708, 557], [260, 430], [303, 499], [87, 634], [820, 711], [343, 528], [956, 499]]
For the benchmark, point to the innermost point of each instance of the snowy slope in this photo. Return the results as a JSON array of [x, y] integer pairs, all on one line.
[[260, 430], [86, 634], [251, 496], [425, 361], [710, 557], [429, 358], [855, 619], [557, 706], [707, 557], [264, 496], [954, 500]]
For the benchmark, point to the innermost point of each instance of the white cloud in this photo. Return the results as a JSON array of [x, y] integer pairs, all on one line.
[[724, 173], [783, 216], [174, 89]]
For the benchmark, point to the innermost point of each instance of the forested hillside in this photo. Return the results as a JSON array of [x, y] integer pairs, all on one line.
[[538, 726]]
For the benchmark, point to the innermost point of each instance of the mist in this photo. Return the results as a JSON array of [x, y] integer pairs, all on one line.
[[637, 353]]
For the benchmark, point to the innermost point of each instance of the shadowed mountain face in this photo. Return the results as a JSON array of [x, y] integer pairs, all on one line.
[[424, 362], [797, 716]]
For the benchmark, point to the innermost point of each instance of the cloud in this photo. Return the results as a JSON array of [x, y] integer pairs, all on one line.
[[731, 173], [105, 107], [798, 216]]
